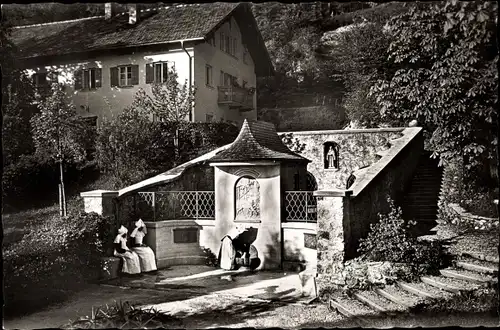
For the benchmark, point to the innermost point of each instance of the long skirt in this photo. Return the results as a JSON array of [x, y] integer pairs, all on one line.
[[131, 263], [227, 254], [146, 258]]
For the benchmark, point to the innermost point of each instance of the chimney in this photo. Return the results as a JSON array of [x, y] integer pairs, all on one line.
[[132, 13], [107, 10]]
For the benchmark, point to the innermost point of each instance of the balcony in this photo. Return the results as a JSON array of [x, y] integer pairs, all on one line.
[[236, 97]]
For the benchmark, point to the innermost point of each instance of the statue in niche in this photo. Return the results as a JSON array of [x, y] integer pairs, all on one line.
[[331, 158]]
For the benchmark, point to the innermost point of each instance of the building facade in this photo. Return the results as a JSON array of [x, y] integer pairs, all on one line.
[[213, 47]]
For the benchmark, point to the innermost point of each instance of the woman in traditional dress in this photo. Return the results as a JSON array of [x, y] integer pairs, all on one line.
[[227, 252], [146, 255], [131, 264]]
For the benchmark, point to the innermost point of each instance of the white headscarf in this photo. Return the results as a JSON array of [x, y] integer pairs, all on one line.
[[138, 224], [122, 230]]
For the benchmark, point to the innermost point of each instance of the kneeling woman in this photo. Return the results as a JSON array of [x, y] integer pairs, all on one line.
[[131, 264], [146, 255]]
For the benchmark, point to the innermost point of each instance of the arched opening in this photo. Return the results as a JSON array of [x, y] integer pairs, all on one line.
[[350, 181], [312, 184], [331, 155], [247, 199]]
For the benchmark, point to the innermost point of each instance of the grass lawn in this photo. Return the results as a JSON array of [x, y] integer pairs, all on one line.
[[23, 296]]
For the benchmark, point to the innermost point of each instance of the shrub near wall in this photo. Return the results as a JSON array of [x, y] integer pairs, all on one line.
[[149, 151], [60, 254]]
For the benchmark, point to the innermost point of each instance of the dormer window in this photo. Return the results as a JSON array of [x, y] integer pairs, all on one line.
[[331, 155]]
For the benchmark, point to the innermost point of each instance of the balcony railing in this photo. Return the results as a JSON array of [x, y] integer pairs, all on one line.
[[300, 206], [236, 96], [175, 205]]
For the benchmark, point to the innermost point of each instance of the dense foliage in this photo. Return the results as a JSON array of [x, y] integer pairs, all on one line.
[[61, 252], [448, 78], [123, 315], [169, 101], [130, 147], [390, 240]]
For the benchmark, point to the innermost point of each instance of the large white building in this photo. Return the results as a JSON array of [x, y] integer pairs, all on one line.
[[104, 60]]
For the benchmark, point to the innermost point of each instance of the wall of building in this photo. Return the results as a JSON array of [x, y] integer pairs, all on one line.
[[160, 237], [358, 148], [296, 253], [108, 101], [268, 241], [206, 53]]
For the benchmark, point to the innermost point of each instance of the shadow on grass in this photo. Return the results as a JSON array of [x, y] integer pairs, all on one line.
[[422, 319], [253, 307]]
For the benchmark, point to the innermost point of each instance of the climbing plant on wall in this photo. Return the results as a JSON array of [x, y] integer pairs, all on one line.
[[447, 79]]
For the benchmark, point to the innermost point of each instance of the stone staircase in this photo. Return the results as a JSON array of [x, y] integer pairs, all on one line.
[[420, 202], [469, 273]]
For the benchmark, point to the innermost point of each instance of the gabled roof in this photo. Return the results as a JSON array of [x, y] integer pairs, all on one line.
[[161, 26], [257, 140]]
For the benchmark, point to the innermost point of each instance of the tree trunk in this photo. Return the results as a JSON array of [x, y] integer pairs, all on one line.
[[60, 200], [63, 194]]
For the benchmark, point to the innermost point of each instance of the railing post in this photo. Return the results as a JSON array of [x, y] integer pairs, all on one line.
[[154, 206], [307, 206], [196, 201]]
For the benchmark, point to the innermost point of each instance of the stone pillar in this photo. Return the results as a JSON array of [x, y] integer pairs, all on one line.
[[332, 230], [99, 201]]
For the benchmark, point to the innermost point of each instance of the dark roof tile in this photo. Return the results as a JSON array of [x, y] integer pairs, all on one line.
[[152, 27], [257, 140]]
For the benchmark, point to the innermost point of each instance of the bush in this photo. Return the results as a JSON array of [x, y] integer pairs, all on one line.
[[131, 148], [390, 240], [59, 254], [458, 188], [123, 315]]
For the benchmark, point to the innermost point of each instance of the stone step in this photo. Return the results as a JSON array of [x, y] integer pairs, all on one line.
[[447, 284], [423, 290], [467, 275], [378, 302], [481, 256], [400, 296], [352, 308], [489, 268]]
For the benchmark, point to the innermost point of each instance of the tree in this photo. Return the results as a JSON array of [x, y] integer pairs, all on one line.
[[447, 77], [60, 135], [17, 105], [170, 101], [122, 145]]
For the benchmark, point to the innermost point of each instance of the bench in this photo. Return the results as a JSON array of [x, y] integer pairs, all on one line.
[[110, 267]]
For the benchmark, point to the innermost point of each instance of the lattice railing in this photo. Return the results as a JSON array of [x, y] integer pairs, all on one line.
[[170, 205], [300, 206]]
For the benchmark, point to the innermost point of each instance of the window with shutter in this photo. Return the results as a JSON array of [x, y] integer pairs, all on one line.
[[114, 76], [134, 75], [208, 75], [98, 78], [150, 71], [222, 41], [128, 75], [78, 79], [40, 82]]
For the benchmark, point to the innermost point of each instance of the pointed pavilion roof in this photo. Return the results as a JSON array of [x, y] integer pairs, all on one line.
[[257, 140]]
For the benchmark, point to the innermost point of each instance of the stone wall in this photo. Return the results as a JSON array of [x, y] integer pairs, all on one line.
[[160, 237], [358, 148], [326, 117], [388, 177], [344, 216], [299, 251]]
